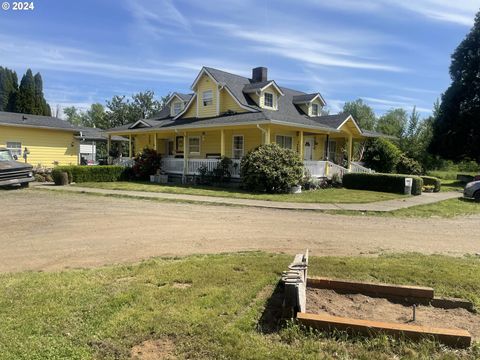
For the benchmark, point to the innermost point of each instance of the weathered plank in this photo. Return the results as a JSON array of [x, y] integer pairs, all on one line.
[[451, 337], [377, 290]]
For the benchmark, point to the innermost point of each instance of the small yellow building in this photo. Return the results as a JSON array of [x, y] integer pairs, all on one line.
[[229, 115], [47, 141]]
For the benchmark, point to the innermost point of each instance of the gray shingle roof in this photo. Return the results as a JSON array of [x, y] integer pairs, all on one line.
[[35, 121], [184, 97], [49, 122], [299, 99], [256, 86], [287, 110]]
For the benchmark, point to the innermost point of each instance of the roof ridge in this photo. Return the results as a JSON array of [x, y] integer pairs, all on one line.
[[227, 72]]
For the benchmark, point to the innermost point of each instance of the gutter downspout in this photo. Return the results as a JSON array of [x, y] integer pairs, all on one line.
[[265, 133]]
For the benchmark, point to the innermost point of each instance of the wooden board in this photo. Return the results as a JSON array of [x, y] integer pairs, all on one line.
[[451, 337], [377, 290]]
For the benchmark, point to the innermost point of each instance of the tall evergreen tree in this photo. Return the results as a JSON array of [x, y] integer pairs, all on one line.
[[25, 102], [456, 128], [41, 106], [8, 88]]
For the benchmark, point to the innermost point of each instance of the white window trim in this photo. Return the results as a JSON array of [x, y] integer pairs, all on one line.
[[311, 110], [332, 141], [199, 145], [14, 151], [233, 146], [203, 97], [180, 110], [273, 100], [284, 135]]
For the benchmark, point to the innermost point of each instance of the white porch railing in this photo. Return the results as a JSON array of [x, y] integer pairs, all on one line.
[[176, 166], [357, 168], [173, 166], [314, 168], [123, 161]]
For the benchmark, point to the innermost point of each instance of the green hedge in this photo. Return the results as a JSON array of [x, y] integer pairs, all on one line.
[[101, 173], [392, 183], [432, 181]]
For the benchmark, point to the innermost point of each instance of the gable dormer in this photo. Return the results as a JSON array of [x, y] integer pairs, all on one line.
[[311, 104], [177, 103], [264, 92]]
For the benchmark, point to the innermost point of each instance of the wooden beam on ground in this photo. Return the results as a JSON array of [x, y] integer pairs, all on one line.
[[451, 337], [375, 290]]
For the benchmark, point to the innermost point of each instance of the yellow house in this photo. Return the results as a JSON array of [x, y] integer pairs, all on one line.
[[229, 115], [47, 141]]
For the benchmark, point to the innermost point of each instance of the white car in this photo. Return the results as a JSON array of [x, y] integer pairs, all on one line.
[[472, 191]]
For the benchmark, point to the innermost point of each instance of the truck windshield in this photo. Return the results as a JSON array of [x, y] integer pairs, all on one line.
[[5, 155]]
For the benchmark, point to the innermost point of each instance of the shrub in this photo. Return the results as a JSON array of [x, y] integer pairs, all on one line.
[[432, 181], [392, 183], [81, 174], [408, 166], [272, 169], [381, 155], [147, 163], [222, 174]]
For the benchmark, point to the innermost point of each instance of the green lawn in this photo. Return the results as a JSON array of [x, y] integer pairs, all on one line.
[[452, 185], [102, 313], [332, 195]]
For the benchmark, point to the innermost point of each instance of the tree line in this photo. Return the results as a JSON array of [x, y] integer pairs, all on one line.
[[26, 97], [120, 110]]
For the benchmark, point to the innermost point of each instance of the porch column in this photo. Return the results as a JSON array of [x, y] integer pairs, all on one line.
[[222, 143], [301, 145], [185, 155], [130, 146], [267, 135], [350, 150], [109, 146], [155, 141]]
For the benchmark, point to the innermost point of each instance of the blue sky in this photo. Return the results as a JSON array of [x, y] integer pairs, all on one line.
[[390, 53]]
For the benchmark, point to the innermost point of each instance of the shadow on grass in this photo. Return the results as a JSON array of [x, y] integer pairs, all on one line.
[[273, 317]]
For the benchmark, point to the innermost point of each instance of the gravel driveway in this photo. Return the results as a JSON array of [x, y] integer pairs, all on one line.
[[43, 230]]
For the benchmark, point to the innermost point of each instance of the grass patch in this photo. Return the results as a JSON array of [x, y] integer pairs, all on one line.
[[332, 195], [447, 209], [452, 185], [448, 174], [103, 313]]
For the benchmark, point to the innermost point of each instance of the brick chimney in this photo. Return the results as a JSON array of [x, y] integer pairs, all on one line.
[[259, 74]]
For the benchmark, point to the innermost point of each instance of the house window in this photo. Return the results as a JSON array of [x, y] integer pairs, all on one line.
[[194, 145], [238, 146], [15, 148], [207, 97], [314, 109], [177, 108], [268, 99], [284, 141], [332, 150]]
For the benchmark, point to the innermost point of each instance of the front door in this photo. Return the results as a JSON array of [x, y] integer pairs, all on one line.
[[308, 148]]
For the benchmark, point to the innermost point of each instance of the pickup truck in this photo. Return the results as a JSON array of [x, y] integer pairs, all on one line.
[[472, 191], [13, 172]]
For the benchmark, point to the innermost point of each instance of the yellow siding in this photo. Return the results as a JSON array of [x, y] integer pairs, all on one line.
[[228, 103], [192, 110], [206, 83], [46, 146], [142, 141]]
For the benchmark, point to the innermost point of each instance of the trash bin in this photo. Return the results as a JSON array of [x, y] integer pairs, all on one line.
[[408, 186]]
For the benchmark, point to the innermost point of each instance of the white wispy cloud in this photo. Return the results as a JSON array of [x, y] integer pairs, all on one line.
[[461, 12], [342, 50], [387, 104]]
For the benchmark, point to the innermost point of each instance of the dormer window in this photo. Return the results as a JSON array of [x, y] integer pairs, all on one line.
[[314, 109], [177, 108], [268, 100], [207, 98]]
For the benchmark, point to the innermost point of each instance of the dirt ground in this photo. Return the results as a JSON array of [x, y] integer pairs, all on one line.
[[42, 230], [359, 306]]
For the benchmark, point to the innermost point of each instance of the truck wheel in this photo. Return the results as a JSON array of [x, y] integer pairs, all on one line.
[[476, 196], [25, 185]]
